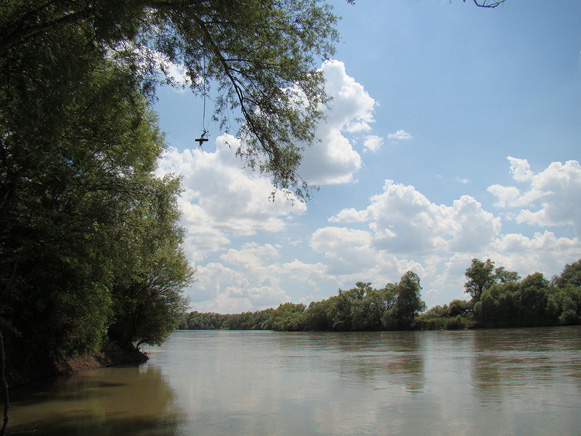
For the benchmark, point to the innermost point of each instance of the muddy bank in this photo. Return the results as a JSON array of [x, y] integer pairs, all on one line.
[[55, 367]]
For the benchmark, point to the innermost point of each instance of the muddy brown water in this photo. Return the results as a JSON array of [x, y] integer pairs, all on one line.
[[210, 383]]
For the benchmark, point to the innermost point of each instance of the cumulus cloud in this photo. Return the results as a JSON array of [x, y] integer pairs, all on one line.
[[347, 250], [175, 72], [406, 229], [405, 221], [551, 197], [520, 169], [250, 278], [351, 257], [373, 143], [505, 195], [474, 228], [400, 135], [224, 204], [350, 215], [333, 159], [221, 198]]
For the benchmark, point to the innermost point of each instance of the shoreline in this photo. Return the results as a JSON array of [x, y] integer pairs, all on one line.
[[73, 365]]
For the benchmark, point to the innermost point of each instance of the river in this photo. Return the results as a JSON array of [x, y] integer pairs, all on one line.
[[217, 383]]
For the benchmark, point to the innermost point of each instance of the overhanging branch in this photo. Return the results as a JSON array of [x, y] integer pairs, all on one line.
[[487, 3]]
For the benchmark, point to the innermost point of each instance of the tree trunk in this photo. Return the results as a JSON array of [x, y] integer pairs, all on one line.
[[4, 385]]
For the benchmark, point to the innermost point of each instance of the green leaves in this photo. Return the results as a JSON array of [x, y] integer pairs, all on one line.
[[261, 57], [78, 148], [89, 241]]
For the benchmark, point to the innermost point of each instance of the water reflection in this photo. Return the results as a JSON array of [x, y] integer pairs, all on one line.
[[110, 401], [380, 357], [530, 377], [525, 382]]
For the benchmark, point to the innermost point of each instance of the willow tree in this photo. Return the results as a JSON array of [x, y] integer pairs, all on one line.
[[78, 142], [260, 56]]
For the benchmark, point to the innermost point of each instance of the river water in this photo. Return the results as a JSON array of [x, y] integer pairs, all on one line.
[[210, 383]]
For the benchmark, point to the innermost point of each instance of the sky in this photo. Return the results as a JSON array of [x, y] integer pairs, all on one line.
[[454, 133]]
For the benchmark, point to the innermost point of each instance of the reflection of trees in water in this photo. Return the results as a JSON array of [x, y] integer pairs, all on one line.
[[507, 360], [383, 358], [528, 380], [110, 401]]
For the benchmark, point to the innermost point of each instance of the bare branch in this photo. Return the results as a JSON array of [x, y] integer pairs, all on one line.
[[487, 3]]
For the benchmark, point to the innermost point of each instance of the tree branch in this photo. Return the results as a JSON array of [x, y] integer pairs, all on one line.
[[22, 33], [487, 3], [235, 83]]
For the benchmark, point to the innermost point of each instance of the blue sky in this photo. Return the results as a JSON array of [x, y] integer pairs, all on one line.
[[454, 133]]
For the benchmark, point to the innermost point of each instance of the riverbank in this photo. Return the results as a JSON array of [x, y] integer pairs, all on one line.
[[112, 356]]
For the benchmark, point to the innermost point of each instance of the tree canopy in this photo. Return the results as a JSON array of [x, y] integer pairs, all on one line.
[[259, 56], [506, 301], [89, 241]]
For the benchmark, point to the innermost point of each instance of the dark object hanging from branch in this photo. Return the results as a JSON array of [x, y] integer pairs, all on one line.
[[202, 137]]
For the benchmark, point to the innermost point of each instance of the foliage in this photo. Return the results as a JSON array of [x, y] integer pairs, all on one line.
[[361, 308], [79, 204], [259, 56], [532, 302], [480, 278], [152, 269], [506, 302], [571, 276], [408, 301], [89, 246], [288, 317], [482, 275]]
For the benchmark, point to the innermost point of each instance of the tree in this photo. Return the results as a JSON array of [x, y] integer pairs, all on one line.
[[259, 56], [377, 303], [318, 316], [571, 276], [504, 276], [480, 277], [151, 270], [78, 149], [288, 317], [408, 302]]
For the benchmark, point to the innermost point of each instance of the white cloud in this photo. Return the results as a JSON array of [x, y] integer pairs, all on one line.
[[474, 228], [543, 252], [352, 257], [400, 135], [373, 143], [350, 216], [506, 195], [551, 198], [221, 199], [436, 241], [405, 221], [160, 62], [250, 278], [333, 160], [520, 169], [223, 204], [347, 250]]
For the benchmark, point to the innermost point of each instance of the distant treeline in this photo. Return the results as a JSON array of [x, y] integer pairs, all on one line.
[[499, 298]]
